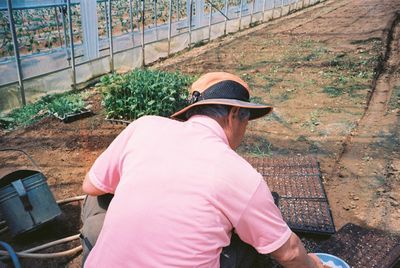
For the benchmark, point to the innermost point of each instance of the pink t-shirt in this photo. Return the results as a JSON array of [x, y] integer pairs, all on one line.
[[180, 190]]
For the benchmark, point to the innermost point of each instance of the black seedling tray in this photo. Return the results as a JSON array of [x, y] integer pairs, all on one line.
[[362, 247], [288, 161], [307, 216], [75, 116], [302, 198], [296, 186]]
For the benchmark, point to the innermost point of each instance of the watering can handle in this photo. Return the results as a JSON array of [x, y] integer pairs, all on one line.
[[26, 154], [23, 196]]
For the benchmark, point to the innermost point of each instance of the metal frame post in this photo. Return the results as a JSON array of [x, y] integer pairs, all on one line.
[[16, 52], [58, 24], [63, 11], [190, 22], [302, 4], [263, 11], [155, 17], [106, 16], [273, 9], [280, 15], [131, 22], [290, 5], [138, 14], [110, 39], [143, 13], [169, 26], [71, 44], [64, 24], [252, 12], [178, 8], [226, 13], [209, 22], [240, 15]]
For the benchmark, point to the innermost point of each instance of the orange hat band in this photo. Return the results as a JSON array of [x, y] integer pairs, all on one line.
[[227, 89]]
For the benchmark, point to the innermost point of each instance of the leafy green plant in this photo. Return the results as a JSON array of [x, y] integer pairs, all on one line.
[[58, 104], [144, 92], [24, 116], [65, 105]]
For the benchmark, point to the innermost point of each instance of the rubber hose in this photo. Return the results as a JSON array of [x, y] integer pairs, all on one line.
[[60, 241], [71, 199], [2, 230], [12, 254], [45, 255], [50, 244]]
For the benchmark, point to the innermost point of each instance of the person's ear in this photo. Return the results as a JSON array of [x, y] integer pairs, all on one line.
[[235, 112], [231, 117]]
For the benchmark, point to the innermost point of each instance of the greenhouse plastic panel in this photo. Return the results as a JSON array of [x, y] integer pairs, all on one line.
[[361, 247], [301, 194]]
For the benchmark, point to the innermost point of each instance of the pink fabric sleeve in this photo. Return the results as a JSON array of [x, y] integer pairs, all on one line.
[[106, 170], [261, 224]]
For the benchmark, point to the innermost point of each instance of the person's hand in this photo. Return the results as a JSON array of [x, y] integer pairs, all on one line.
[[318, 263]]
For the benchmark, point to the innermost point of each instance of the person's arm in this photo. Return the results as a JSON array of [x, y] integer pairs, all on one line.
[[89, 188], [104, 175], [262, 226], [292, 254]]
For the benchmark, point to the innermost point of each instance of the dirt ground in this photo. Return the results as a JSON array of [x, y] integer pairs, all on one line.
[[330, 71]]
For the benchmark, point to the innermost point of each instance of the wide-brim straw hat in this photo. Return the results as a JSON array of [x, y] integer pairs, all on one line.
[[222, 88]]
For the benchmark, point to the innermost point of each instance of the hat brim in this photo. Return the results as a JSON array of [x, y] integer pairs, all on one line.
[[256, 110]]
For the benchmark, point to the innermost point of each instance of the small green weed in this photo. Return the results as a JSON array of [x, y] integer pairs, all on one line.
[[255, 146], [333, 91], [302, 138], [271, 82], [353, 89], [308, 43], [313, 122], [283, 97], [366, 41], [394, 101]]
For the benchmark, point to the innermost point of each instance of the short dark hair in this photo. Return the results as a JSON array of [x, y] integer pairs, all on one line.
[[216, 111]]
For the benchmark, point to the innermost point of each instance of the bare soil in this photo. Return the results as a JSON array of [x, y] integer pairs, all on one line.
[[330, 71]]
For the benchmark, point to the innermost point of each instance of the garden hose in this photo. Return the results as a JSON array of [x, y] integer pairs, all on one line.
[[10, 251], [53, 243], [28, 253], [71, 199], [44, 255]]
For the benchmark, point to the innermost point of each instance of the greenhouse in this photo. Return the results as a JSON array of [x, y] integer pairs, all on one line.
[[64, 44]]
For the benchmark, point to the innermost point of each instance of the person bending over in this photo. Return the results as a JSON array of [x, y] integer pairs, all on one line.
[[182, 197]]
